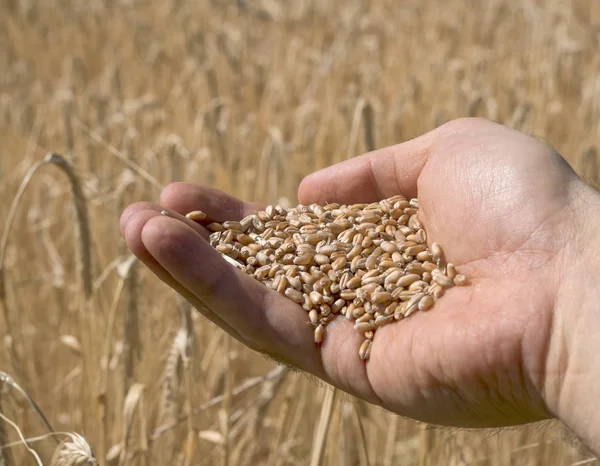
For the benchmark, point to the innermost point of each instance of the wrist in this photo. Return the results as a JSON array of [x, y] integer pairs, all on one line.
[[572, 367]]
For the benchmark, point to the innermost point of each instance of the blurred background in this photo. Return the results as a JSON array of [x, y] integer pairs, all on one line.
[[247, 96]]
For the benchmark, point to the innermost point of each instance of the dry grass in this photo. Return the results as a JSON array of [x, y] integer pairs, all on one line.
[[137, 94]]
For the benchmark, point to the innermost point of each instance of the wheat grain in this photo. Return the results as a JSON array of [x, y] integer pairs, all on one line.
[[368, 262], [365, 349], [319, 334], [196, 215], [460, 280]]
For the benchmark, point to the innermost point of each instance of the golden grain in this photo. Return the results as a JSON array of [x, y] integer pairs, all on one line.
[[374, 264], [365, 349], [319, 334], [196, 215], [460, 280]]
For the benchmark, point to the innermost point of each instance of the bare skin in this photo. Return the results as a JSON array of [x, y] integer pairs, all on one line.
[[510, 214]]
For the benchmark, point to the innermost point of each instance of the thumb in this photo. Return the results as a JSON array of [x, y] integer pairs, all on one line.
[[370, 177]]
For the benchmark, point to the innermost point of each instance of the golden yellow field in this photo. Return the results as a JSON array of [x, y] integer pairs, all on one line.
[[247, 96]]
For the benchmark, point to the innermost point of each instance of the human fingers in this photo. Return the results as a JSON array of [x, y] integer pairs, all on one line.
[[183, 197], [131, 210], [132, 229], [266, 320]]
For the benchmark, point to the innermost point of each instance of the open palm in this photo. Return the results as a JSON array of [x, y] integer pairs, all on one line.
[[499, 204]]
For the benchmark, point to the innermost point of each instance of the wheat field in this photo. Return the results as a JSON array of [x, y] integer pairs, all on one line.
[[249, 97]]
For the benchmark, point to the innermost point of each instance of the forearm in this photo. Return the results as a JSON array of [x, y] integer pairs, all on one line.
[[573, 365]]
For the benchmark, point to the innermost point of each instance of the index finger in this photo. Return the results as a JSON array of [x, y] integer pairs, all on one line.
[[184, 197]]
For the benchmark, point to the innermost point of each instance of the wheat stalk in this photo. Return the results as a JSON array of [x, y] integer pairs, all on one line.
[[247, 385], [426, 444], [83, 258], [4, 242], [132, 347], [185, 311], [134, 402], [5, 456], [124, 269], [23, 440], [363, 446], [82, 225], [67, 101], [120, 156], [322, 428], [227, 403], [390, 443], [171, 378]]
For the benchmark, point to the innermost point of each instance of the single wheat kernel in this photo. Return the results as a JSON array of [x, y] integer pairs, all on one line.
[[410, 309], [366, 317], [282, 284], [408, 279], [313, 315], [316, 297], [393, 277], [363, 326], [441, 279], [404, 295], [261, 273], [436, 290], [224, 248], [381, 297], [358, 311], [215, 227], [367, 305], [319, 334], [460, 280], [295, 282], [428, 266], [294, 295], [338, 305], [414, 299], [365, 349], [196, 215], [399, 311], [419, 285], [369, 288], [307, 304], [303, 260], [426, 302], [414, 250], [383, 320], [389, 310]]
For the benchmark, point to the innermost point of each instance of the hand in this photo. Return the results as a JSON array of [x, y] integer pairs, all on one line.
[[506, 209]]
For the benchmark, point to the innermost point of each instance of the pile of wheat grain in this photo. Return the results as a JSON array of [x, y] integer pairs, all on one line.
[[367, 262]]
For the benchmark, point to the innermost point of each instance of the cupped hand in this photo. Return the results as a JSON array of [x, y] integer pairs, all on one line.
[[503, 206]]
